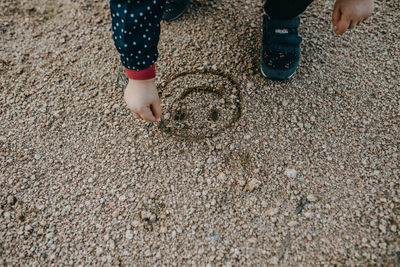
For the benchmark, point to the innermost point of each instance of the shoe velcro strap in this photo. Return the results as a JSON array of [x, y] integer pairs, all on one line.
[[289, 39], [284, 48]]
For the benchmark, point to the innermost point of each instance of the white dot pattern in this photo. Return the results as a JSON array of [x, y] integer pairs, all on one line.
[[136, 31]]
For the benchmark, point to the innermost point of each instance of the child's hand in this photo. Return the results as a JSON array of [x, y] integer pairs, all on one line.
[[349, 13], [142, 99]]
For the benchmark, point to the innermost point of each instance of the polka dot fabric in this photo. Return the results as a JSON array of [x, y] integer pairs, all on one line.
[[136, 31]]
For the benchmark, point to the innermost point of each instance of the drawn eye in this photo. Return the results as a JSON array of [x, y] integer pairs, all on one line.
[[199, 104]]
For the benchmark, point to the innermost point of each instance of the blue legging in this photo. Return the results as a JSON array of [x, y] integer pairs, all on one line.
[[285, 9]]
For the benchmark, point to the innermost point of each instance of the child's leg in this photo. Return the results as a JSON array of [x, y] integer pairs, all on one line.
[[280, 53], [285, 9]]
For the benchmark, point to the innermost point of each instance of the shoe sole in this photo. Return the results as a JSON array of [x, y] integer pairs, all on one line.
[[272, 78]]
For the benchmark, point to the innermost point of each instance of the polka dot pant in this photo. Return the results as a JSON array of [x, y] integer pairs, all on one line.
[[136, 31]]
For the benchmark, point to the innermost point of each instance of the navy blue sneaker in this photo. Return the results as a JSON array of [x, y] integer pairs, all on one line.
[[280, 53], [174, 9]]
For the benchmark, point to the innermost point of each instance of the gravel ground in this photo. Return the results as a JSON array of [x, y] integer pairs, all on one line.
[[240, 171]]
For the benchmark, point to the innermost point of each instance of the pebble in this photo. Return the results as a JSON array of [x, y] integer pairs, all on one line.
[[253, 184], [308, 214], [99, 251], [7, 215], [40, 206], [311, 198], [291, 173], [37, 156], [129, 234], [221, 177], [135, 223], [274, 260], [292, 223], [241, 182], [11, 200]]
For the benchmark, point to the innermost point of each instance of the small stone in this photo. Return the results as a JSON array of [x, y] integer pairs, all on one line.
[[221, 177], [291, 173], [146, 215], [311, 198], [129, 234], [274, 260], [272, 212], [308, 214], [115, 213], [43, 255], [40, 207], [37, 156], [309, 237], [382, 228], [253, 184], [7, 215], [292, 223], [99, 251], [122, 198], [11, 200], [393, 228], [241, 182], [135, 223]]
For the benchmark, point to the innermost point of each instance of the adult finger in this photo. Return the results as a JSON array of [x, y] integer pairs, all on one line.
[[353, 24], [342, 25], [336, 14], [147, 115]]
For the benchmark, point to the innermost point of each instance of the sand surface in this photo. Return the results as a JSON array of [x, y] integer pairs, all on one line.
[[243, 171]]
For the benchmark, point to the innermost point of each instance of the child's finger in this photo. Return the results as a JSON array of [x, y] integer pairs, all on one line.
[[136, 115], [156, 108], [147, 115]]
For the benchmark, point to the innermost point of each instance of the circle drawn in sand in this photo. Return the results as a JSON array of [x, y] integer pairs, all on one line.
[[199, 104]]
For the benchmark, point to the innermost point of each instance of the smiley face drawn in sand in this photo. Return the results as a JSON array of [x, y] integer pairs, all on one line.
[[199, 104]]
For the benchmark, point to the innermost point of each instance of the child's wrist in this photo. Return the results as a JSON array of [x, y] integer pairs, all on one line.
[[141, 81], [145, 74]]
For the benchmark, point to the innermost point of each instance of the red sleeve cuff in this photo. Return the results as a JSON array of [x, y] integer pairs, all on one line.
[[145, 74]]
